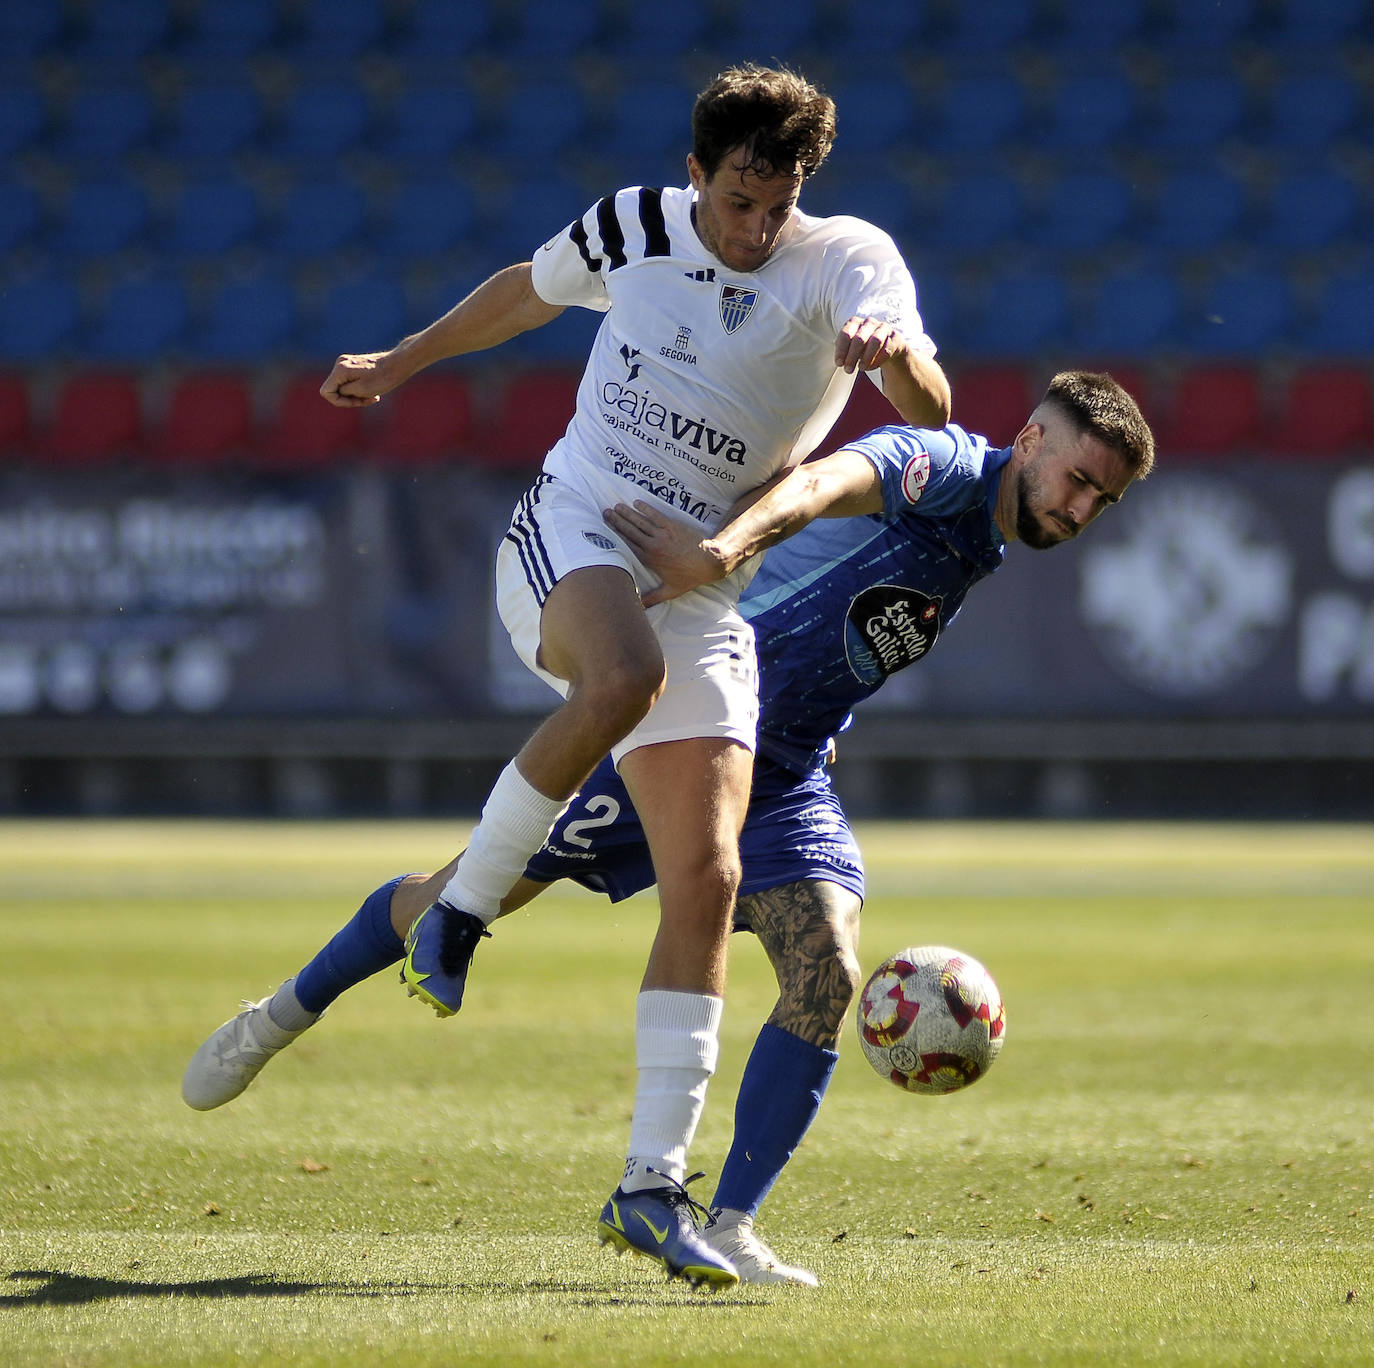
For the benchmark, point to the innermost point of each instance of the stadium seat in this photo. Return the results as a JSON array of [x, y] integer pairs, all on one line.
[[249, 320], [16, 416], [305, 431], [532, 413], [321, 120], [38, 319], [1018, 313], [1244, 313], [1317, 23], [140, 321], [318, 217], [440, 29], [211, 123], [879, 111], [20, 215], [1310, 208], [29, 28], [1307, 111], [759, 33], [120, 30], [23, 116], [97, 416], [331, 30], [992, 400], [649, 123], [231, 32], [208, 421], [358, 315], [1326, 411], [972, 212], [1187, 26], [425, 217], [429, 419], [101, 217], [977, 113], [551, 28], [426, 124], [1194, 112], [103, 123], [1083, 210], [991, 26], [532, 211], [1215, 409], [1088, 111], [1344, 321], [1133, 311], [210, 217], [879, 29], [1194, 210], [1089, 26], [538, 121]]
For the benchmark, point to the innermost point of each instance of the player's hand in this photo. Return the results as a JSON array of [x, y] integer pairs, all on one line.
[[357, 381], [865, 343], [671, 548]]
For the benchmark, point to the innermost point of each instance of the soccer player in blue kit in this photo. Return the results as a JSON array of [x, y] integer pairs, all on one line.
[[914, 518]]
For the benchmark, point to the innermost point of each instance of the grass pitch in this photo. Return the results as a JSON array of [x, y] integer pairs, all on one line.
[[1172, 1162]]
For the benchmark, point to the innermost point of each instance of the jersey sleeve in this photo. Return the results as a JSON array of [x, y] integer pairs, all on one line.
[[939, 469], [570, 268], [874, 282]]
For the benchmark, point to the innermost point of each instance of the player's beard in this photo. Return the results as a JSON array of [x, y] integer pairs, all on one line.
[[1036, 527]]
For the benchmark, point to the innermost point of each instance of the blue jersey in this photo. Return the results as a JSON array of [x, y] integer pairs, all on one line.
[[849, 601]]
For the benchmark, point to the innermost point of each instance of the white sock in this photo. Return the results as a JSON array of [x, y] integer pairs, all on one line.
[[515, 822], [677, 1041], [285, 1009]]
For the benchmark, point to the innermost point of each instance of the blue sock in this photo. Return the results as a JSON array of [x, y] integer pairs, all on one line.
[[366, 946], [779, 1097]]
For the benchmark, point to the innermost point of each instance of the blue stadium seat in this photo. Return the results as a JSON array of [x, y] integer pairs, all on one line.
[[1190, 26], [1093, 27], [876, 112], [978, 113], [1307, 111], [140, 321], [1343, 324], [1195, 112], [321, 120], [657, 32], [989, 26], [1133, 312], [23, 116], [877, 196], [1083, 210], [29, 27], [1088, 110], [248, 320], [1318, 23], [20, 215], [425, 217], [540, 118], [552, 28], [318, 217], [333, 29], [972, 212], [214, 122], [231, 31], [366, 314], [938, 302], [760, 33], [1310, 208], [441, 29], [123, 29], [1018, 313], [879, 28], [427, 124], [1195, 209], [1243, 313], [649, 122], [209, 217], [105, 122], [38, 319], [102, 216]]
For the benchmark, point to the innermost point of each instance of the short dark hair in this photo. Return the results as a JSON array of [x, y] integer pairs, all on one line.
[[1094, 402], [784, 124]]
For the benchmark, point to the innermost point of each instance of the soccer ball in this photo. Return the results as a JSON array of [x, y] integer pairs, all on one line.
[[931, 1020]]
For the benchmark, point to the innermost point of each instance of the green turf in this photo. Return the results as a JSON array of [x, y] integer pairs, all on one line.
[[1172, 1162]]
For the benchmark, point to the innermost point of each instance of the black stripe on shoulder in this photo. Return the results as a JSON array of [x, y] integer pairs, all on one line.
[[579, 236], [651, 220], [612, 236]]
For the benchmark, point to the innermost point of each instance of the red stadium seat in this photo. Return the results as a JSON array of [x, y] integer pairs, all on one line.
[[209, 420], [307, 432], [532, 414], [1326, 411], [16, 428], [430, 418], [1215, 410], [98, 416], [994, 401]]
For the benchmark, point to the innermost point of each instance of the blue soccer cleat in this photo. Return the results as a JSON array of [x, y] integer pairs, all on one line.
[[439, 948], [662, 1222]]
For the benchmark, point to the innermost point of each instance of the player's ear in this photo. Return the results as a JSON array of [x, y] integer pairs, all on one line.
[[695, 172], [1028, 439]]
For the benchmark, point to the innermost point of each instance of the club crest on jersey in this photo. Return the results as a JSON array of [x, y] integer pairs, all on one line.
[[914, 476], [736, 304]]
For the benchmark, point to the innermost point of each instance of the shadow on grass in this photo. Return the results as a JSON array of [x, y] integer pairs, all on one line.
[[53, 1287]]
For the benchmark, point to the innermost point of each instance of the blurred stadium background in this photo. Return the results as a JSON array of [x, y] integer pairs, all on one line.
[[218, 595]]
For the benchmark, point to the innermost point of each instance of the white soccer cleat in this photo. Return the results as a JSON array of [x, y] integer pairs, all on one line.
[[234, 1056], [732, 1234]]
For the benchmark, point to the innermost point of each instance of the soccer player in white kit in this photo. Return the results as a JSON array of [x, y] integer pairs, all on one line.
[[734, 328]]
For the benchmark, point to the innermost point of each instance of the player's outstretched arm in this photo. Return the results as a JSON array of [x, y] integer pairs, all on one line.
[[913, 382], [843, 484], [497, 310]]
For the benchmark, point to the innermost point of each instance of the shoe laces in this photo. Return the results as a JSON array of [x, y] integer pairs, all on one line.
[[676, 1195], [461, 932]]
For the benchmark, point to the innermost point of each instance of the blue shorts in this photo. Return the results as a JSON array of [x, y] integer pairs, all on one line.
[[795, 829]]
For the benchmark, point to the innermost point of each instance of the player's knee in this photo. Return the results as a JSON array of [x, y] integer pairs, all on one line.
[[625, 688]]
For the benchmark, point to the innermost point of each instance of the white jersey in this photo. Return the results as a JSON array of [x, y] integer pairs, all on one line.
[[704, 382]]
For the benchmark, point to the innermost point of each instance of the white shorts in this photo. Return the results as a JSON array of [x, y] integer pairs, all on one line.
[[708, 647]]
